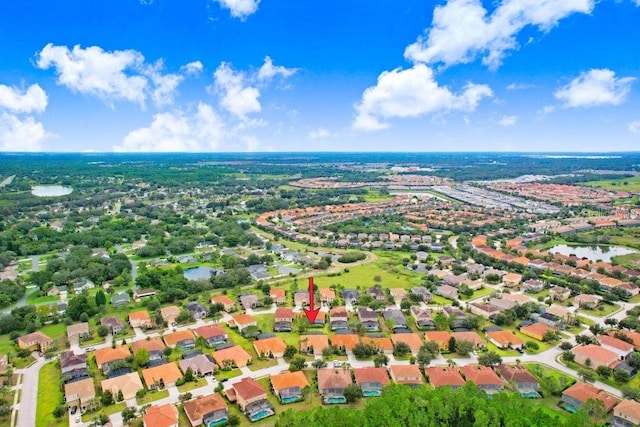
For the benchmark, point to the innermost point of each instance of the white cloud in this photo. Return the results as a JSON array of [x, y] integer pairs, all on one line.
[[192, 68], [506, 121], [411, 92], [240, 8], [593, 88], [112, 76], [21, 134], [238, 97], [463, 30], [268, 71], [637, 3], [34, 99], [520, 86], [634, 126], [177, 131], [320, 133]]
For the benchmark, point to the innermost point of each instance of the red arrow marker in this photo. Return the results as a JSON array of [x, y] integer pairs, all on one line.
[[310, 312]]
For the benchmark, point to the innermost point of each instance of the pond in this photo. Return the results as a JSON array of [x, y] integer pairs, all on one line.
[[50, 190], [592, 253], [199, 273]]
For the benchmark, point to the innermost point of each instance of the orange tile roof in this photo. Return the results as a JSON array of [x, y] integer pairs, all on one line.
[[505, 338], [129, 384], [139, 315], [235, 353], [284, 313], [411, 339], [151, 344], [406, 374], [599, 355], [481, 375], [222, 299], [317, 342], [209, 331], [443, 376], [441, 337], [512, 277], [371, 375], [381, 343], [273, 345], [582, 392], [167, 373], [633, 335], [108, 354], [333, 378], [288, 380], [468, 336], [248, 389], [536, 329], [161, 416], [203, 405], [327, 292], [243, 319], [630, 408], [615, 343], [172, 338], [348, 341], [277, 293]]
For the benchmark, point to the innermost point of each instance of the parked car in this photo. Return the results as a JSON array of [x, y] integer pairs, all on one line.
[[90, 349]]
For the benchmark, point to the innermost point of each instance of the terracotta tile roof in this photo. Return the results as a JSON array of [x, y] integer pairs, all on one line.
[[536, 329], [468, 336], [129, 384], [406, 374], [243, 319], [288, 380], [222, 299], [209, 331], [83, 388], [277, 293], [235, 353], [517, 373], [348, 341], [284, 313], [597, 354], [172, 338], [168, 312], [630, 408], [518, 298], [371, 375], [151, 344], [633, 335], [167, 373], [333, 378], [615, 343], [161, 416], [248, 388], [327, 293], [36, 336], [108, 354], [505, 338], [512, 277], [441, 337], [481, 375], [444, 376], [582, 392], [272, 345], [411, 339], [203, 405], [317, 342], [382, 343], [139, 315], [338, 312]]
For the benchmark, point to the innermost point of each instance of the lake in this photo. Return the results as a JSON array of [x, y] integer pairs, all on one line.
[[50, 190], [198, 273], [593, 253]]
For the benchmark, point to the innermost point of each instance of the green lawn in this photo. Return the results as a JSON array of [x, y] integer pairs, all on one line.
[[152, 396], [228, 374], [20, 362], [192, 385], [49, 397], [607, 309], [34, 299], [111, 409], [633, 184]]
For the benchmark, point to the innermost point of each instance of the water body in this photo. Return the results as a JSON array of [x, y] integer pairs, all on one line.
[[198, 273], [593, 253], [50, 190]]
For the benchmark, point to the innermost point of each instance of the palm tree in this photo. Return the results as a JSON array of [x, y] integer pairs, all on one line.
[[451, 363]]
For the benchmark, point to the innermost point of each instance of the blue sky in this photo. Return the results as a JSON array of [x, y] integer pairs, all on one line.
[[360, 75]]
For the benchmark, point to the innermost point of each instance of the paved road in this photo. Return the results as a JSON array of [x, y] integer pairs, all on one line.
[[29, 399]]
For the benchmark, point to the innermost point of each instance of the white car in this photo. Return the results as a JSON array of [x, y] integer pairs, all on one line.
[[337, 363]]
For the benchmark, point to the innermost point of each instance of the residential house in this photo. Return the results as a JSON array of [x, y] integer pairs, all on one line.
[[577, 395], [128, 384], [339, 318], [443, 376], [369, 319], [160, 416], [242, 321], [301, 298], [120, 299], [288, 386], [154, 346], [78, 331], [592, 356], [209, 410], [441, 337], [197, 310], [411, 339], [140, 319], [395, 316], [536, 330], [422, 316], [511, 280], [532, 286], [283, 321], [469, 336], [227, 302], [270, 347], [550, 319], [252, 399], [331, 384], [488, 311], [371, 380], [525, 383], [398, 294], [346, 342], [587, 301], [236, 355], [107, 356], [249, 301], [138, 294], [502, 303], [626, 414], [54, 291], [278, 296], [161, 376], [505, 340], [327, 296], [113, 323], [447, 291], [558, 293], [82, 284], [633, 336], [484, 377], [422, 292], [406, 374], [350, 296], [457, 317], [80, 394], [313, 344], [377, 293], [36, 341], [72, 365], [213, 334], [622, 348], [170, 315], [519, 299], [200, 365], [383, 344], [184, 340]]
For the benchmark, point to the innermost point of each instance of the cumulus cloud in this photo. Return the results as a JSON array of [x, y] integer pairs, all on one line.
[[177, 131], [120, 75], [594, 88], [18, 134], [33, 100], [411, 92], [268, 71], [192, 68], [506, 121], [240, 8], [320, 133], [520, 86], [634, 126], [238, 96], [463, 30]]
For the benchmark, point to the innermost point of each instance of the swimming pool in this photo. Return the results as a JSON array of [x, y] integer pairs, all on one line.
[[369, 393], [217, 423], [261, 414], [290, 399], [338, 399], [530, 395]]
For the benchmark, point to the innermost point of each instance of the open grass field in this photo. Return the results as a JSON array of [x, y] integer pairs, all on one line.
[[632, 184], [49, 397]]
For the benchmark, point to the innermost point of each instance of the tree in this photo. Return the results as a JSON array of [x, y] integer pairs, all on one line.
[[103, 331], [424, 356], [610, 321], [101, 298], [352, 392], [297, 364], [401, 349], [452, 344], [463, 347], [621, 376], [490, 358], [107, 398], [128, 414], [233, 420], [251, 331], [362, 351], [141, 358], [550, 336], [603, 371], [596, 329], [587, 362], [568, 356], [188, 376], [380, 360], [59, 411], [565, 345], [290, 351], [319, 364], [587, 375]]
